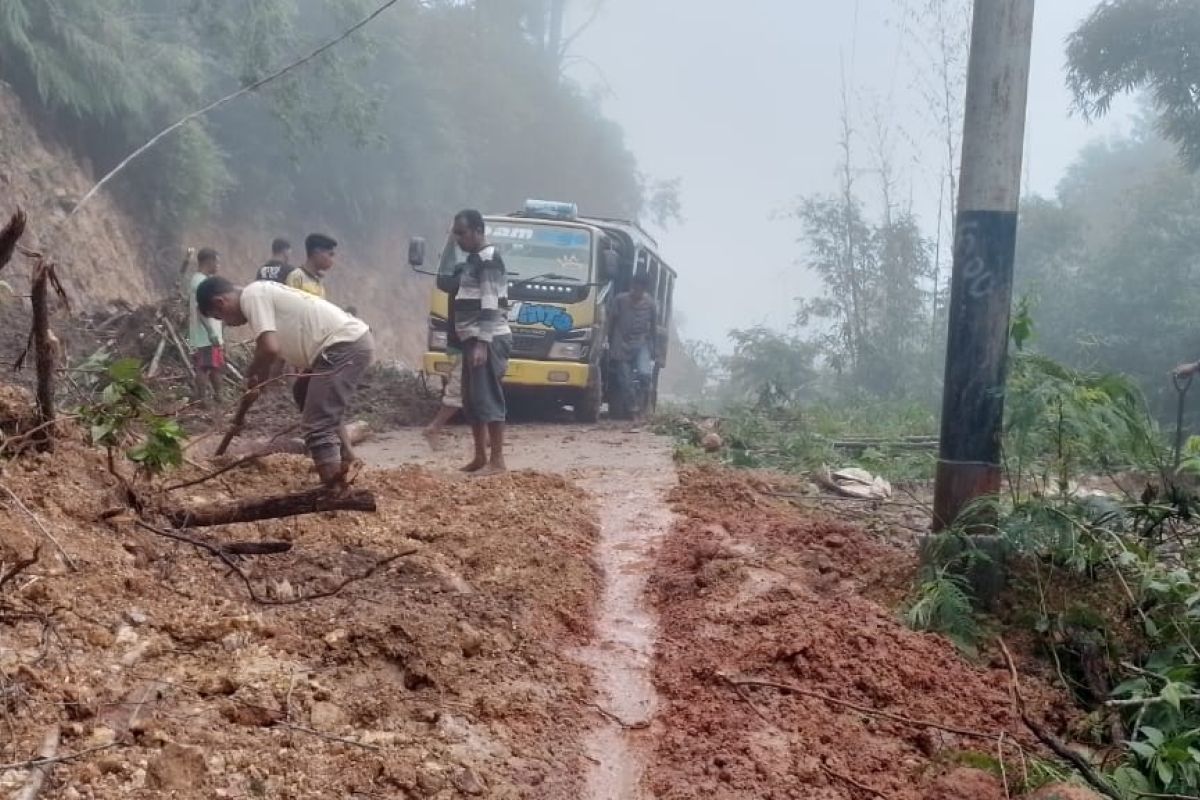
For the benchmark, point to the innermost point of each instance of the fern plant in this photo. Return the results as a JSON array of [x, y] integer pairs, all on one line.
[[943, 605]]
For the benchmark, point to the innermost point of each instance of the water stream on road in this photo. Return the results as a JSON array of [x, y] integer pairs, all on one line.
[[634, 518]]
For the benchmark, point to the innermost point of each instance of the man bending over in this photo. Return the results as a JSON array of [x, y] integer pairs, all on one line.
[[332, 347]]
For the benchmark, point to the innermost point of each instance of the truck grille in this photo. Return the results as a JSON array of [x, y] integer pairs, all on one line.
[[529, 343]]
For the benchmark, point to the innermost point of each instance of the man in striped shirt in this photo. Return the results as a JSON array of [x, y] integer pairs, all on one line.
[[480, 311]]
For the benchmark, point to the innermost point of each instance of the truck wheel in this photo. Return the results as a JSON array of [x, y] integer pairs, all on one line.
[[587, 408]]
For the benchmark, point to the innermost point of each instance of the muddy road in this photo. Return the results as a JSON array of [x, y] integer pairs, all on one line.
[[629, 477], [598, 624]]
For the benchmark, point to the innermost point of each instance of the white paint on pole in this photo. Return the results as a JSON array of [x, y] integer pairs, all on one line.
[[994, 116]]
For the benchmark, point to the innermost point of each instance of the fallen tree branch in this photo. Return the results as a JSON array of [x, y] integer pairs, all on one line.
[[34, 763], [919, 723], [848, 780], [1058, 748], [17, 501], [311, 501], [20, 566], [254, 595], [613, 718], [326, 736]]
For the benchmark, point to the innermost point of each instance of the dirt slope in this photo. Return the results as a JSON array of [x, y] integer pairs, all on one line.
[[102, 254], [748, 587], [440, 676]]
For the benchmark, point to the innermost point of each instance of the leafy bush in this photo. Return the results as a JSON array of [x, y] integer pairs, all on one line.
[[122, 416]]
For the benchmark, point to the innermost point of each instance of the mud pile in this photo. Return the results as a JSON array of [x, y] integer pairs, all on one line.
[[438, 676], [749, 588]]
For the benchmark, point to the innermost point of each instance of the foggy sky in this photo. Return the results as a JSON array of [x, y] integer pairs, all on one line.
[[741, 101]]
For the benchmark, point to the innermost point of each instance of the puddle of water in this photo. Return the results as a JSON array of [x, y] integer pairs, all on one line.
[[633, 520]]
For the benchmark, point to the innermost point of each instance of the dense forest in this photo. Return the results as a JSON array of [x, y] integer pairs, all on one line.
[[434, 106]]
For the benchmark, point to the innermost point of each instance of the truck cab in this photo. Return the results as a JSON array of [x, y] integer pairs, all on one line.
[[563, 273]]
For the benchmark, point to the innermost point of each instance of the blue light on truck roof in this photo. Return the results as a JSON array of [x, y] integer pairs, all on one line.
[[551, 208]]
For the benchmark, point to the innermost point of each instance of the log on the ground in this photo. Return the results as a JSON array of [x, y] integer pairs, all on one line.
[[312, 501]]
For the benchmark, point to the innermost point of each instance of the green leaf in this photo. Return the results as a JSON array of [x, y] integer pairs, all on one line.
[[1153, 735], [1144, 750], [1171, 695], [125, 370], [1133, 687], [1166, 773]]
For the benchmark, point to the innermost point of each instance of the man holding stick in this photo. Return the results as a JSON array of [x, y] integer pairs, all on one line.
[[333, 348]]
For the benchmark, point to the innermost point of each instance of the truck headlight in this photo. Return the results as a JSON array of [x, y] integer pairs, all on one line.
[[437, 340], [568, 351]]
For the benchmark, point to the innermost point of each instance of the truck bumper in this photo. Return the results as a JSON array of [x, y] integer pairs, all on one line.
[[526, 374]]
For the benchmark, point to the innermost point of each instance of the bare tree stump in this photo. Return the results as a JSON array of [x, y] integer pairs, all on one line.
[[45, 353], [312, 501]]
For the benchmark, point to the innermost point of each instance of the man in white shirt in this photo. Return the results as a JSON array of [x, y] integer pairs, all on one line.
[[331, 347]]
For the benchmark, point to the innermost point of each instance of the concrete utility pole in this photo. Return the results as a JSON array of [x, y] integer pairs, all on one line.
[[985, 236]]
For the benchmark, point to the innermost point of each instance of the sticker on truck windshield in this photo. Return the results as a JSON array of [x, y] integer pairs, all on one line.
[[509, 232]]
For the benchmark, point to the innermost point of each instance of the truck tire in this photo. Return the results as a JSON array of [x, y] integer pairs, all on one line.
[[587, 409]]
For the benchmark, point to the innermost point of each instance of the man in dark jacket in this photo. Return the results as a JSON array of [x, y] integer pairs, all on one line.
[[278, 268]]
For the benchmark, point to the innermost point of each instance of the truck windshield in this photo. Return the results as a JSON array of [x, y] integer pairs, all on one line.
[[530, 252]]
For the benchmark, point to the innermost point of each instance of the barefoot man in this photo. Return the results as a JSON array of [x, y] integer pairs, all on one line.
[[333, 348], [481, 325]]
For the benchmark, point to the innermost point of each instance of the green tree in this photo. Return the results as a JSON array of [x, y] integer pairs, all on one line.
[[771, 369], [1128, 45]]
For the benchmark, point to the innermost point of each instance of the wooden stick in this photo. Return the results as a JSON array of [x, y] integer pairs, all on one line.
[[37, 775], [1061, 750], [267, 601], [239, 419], [152, 370], [39, 762], [327, 737], [183, 351], [281, 506], [45, 356], [847, 779]]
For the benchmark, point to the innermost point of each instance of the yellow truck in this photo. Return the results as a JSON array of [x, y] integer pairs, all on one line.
[[564, 271]]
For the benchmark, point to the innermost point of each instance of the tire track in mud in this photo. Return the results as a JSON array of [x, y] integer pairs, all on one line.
[[629, 476], [634, 519]]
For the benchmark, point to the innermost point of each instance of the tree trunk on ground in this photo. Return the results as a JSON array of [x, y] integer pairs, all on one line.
[[278, 507]]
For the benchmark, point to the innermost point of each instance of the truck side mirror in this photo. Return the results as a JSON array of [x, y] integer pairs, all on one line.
[[416, 252]]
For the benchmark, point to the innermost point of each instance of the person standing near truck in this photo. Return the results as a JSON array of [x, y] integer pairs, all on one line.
[[633, 345], [480, 310]]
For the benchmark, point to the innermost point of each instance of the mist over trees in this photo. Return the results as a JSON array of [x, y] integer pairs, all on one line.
[[1110, 264], [436, 105]]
